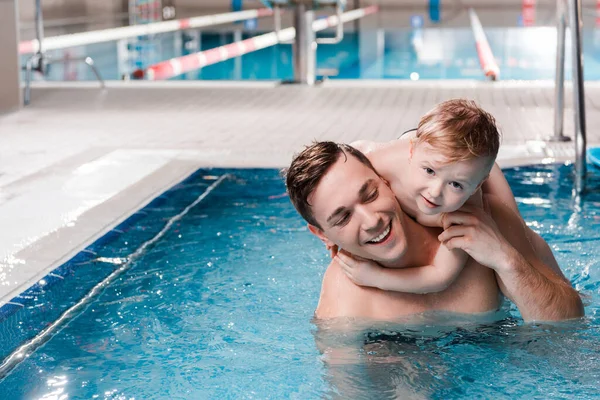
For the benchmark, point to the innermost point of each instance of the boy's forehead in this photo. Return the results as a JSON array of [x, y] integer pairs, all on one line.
[[437, 158]]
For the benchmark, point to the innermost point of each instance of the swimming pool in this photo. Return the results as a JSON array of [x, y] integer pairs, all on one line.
[[430, 53], [220, 306]]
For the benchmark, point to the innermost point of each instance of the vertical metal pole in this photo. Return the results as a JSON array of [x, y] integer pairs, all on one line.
[[304, 45], [237, 62], [39, 34], [559, 86], [356, 22], [578, 95]]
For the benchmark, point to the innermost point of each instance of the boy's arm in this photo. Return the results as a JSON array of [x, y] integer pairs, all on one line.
[[433, 221], [436, 277], [366, 146]]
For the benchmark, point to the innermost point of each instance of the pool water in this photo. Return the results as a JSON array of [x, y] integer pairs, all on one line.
[[221, 307], [431, 53]]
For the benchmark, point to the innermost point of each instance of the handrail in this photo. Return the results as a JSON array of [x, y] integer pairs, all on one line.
[[559, 82], [575, 23], [339, 32], [179, 65], [107, 35], [486, 57]]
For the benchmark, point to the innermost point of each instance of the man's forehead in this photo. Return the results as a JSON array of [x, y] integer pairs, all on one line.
[[341, 184], [347, 171]]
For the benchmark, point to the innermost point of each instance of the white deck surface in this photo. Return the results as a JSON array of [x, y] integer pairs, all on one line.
[[79, 160]]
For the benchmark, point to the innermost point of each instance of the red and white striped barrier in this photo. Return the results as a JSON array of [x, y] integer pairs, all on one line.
[[486, 58], [180, 65], [528, 12], [107, 35]]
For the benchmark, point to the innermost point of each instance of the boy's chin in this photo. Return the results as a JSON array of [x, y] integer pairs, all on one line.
[[429, 211]]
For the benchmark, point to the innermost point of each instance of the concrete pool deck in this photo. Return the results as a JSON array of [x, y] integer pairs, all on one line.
[[79, 159]]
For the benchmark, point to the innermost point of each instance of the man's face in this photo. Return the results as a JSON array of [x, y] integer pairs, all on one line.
[[358, 212], [438, 185]]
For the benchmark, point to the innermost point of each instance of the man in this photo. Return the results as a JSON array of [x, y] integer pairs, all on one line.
[[347, 204]]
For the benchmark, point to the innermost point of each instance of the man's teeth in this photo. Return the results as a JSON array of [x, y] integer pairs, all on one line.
[[382, 236]]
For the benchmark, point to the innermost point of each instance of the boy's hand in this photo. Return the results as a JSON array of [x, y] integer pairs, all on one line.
[[333, 250], [361, 271]]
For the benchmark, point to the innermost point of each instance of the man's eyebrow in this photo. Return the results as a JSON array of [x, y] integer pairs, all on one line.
[[362, 192], [337, 212], [365, 187]]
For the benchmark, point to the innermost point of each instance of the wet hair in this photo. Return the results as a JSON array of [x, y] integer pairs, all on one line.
[[309, 167], [460, 130]]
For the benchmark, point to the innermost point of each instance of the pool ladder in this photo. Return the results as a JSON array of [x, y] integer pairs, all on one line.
[[40, 60], [573, 13], [305, 42]]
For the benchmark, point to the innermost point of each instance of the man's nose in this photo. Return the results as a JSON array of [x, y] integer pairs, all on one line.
[[369, 218]]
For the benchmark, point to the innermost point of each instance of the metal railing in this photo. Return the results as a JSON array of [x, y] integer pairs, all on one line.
[[575, 22], [40, 60], [304, 63]]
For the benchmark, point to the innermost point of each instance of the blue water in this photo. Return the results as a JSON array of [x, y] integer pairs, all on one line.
[[221, 307], [428, 53]]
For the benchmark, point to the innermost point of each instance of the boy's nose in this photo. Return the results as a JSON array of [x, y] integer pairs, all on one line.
[[435, 190]]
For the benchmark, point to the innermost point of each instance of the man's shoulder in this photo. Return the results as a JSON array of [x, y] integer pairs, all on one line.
[[339, 296], [501, 212]]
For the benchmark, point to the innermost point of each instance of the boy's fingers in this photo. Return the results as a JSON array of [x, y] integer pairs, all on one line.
[[341, 261], [452, 232], [344, 257], [455, 243], [333, 250]]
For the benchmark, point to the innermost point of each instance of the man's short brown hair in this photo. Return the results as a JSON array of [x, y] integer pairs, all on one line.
[[460, 130], [309, 167]]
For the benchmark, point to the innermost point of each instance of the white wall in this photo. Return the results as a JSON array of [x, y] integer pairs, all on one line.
[[58, 9], [390, 3], [55, 9], [10, 94]]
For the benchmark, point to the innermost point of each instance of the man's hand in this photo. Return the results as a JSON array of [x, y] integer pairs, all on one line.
[[473, 230], [361, 271]]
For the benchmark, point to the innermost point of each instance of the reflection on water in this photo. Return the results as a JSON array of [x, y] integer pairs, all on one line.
[[221, 307], [458, 357]]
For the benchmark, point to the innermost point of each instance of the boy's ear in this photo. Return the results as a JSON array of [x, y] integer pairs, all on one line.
[[319, 233]]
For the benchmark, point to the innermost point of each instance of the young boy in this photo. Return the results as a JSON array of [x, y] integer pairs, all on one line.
[[434, 171]]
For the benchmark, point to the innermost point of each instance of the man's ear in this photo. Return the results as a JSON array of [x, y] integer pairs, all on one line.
[[319, 233]]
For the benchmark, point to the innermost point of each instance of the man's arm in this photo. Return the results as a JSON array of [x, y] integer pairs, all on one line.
[[436, 277], [501, 244]]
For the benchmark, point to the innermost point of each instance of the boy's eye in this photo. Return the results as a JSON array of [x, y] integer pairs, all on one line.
[[429, 171], [456, 185]]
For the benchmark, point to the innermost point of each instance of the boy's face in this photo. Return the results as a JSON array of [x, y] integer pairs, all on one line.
[[440, 186], [358, 212]]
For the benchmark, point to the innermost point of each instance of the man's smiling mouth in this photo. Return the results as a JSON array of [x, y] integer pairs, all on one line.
[[383, 236]]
